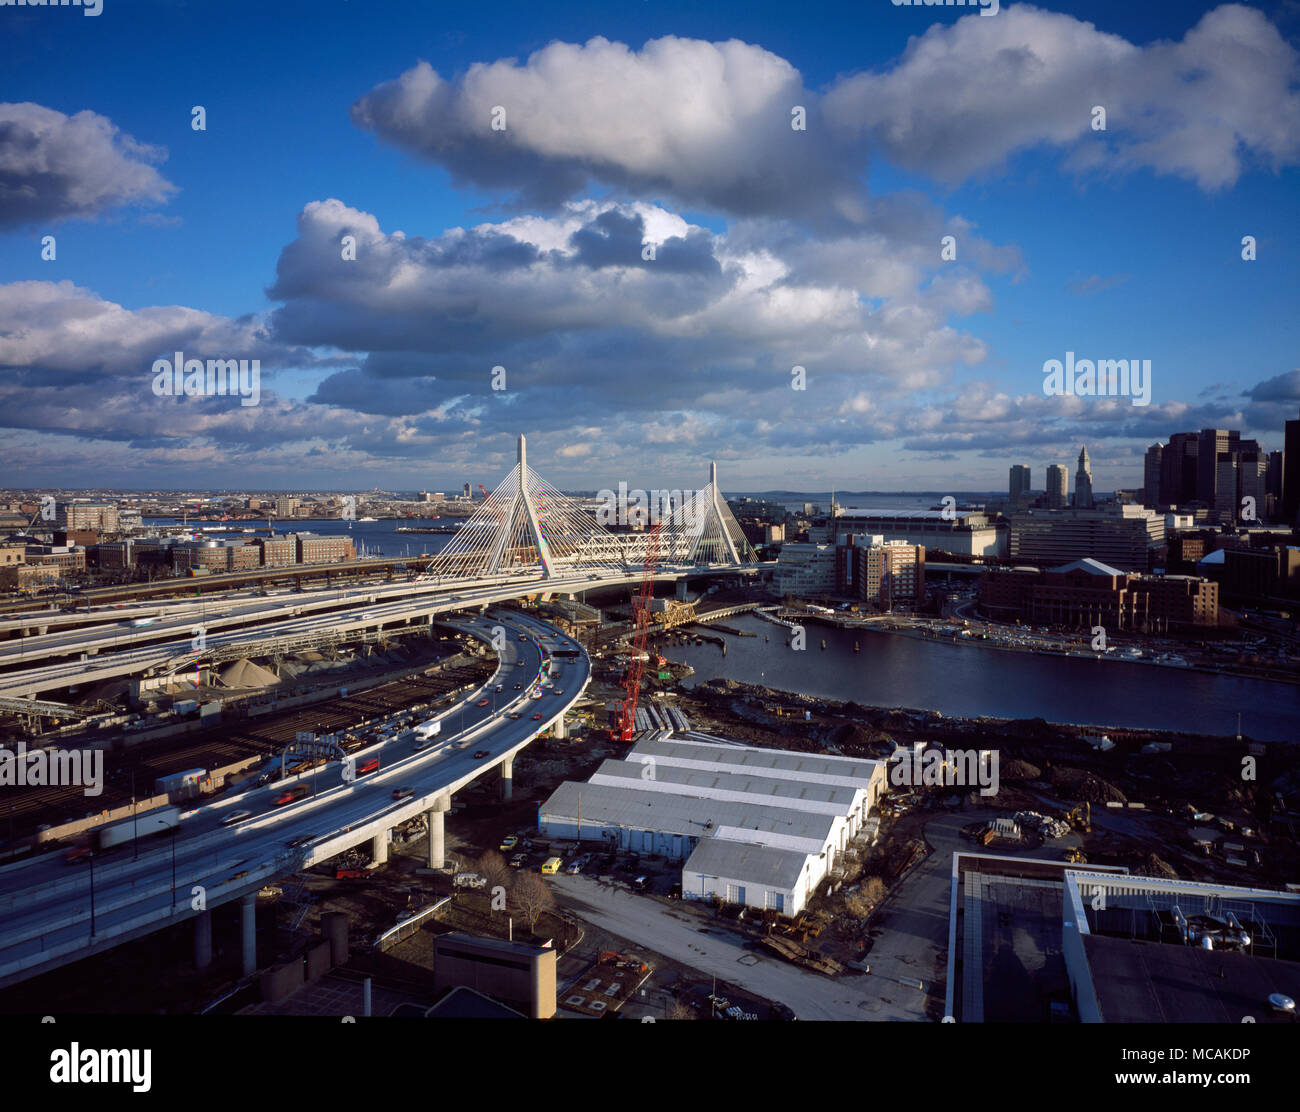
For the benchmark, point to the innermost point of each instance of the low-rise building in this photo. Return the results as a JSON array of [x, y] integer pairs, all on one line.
[[1088, 593], [760, 827], [316, 549]]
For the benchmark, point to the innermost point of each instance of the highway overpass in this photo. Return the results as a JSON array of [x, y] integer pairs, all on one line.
[[53, 912]]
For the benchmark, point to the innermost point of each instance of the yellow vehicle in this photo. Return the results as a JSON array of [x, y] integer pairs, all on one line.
[[508, 842], [551, 865]]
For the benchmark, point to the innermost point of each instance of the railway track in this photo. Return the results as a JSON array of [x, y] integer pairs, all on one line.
[[24, 810]]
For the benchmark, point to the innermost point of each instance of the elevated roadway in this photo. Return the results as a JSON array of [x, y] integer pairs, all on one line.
[[53, 912], [232, 628]]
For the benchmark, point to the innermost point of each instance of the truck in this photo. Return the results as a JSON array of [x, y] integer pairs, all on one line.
[[116, 833], [187, 784], [425, 730]]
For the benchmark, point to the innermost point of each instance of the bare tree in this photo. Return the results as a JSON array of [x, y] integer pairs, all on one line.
[[493, 866], [532, 897]]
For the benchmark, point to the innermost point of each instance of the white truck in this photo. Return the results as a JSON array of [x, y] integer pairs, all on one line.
[[115, 834], [431, 728]]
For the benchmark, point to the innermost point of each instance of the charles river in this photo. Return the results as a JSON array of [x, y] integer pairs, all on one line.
[[958, 680]]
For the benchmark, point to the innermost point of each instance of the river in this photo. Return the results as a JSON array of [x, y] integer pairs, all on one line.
[[969, 680]]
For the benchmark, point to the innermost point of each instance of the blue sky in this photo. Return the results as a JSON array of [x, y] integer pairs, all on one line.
[[628, 124]]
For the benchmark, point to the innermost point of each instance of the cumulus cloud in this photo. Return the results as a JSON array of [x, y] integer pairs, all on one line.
[[57, 167], [582, 321], [704, 123], [967, 96], [72, 362]]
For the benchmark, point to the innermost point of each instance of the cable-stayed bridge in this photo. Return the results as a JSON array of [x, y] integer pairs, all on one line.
[[526, 538]]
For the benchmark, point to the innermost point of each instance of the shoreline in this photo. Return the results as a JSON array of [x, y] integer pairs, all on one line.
[[1242, 672]]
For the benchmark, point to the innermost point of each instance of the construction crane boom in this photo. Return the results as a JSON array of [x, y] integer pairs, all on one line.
[[641, 631]]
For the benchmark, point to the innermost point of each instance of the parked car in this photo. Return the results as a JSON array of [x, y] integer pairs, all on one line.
[[508, 842], [641, 883], [574, 867], [519, 860]]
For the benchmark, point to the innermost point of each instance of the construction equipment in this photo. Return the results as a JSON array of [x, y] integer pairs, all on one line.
[[1075, 856], [1080, 817], [641, 629]]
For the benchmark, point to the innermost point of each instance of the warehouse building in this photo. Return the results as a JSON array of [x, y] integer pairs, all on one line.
[[761, 827]]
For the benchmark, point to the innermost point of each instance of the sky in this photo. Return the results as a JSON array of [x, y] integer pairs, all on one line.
[[825, 245]]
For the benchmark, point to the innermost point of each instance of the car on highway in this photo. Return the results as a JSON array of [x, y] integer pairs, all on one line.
[[236, 816], [479, 754], [368, 765], [403, 792], [300, 840], [537, 717], [484, 702], [514, 714], [519, 687], [289, 795], [559, 691]]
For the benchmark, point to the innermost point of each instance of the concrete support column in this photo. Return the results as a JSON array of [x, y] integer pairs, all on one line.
[[203, 940], [437, 833], [560, 730], [507, 778], [681, 590], [248, 934], [379, 848]]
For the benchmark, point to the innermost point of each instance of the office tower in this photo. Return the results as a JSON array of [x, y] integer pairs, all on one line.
[[1274, 486], [1252, 482], [1019, 480], [1058, 485], [1291, 473], [1178, 469], [1151, 476], [1226, 505], [1083, 482]]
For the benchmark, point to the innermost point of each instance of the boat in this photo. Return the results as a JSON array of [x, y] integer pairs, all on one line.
[[367, 519], [823, 643], [856, 647]]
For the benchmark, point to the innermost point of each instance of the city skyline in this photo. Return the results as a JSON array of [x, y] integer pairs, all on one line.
[[770, 270]]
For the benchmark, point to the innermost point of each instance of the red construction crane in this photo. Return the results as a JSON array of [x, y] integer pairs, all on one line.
[[484, 489], [641, 630]]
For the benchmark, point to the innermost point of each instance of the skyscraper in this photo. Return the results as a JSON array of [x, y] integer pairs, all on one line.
[[1058, 486], [1083, 482], [1178, 469], [1291, 473], [1020, 481], [1151, 476]]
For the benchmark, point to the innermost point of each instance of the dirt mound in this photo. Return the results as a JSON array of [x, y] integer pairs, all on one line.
[[1019, 770], [1078, 783], [1153, 865]]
